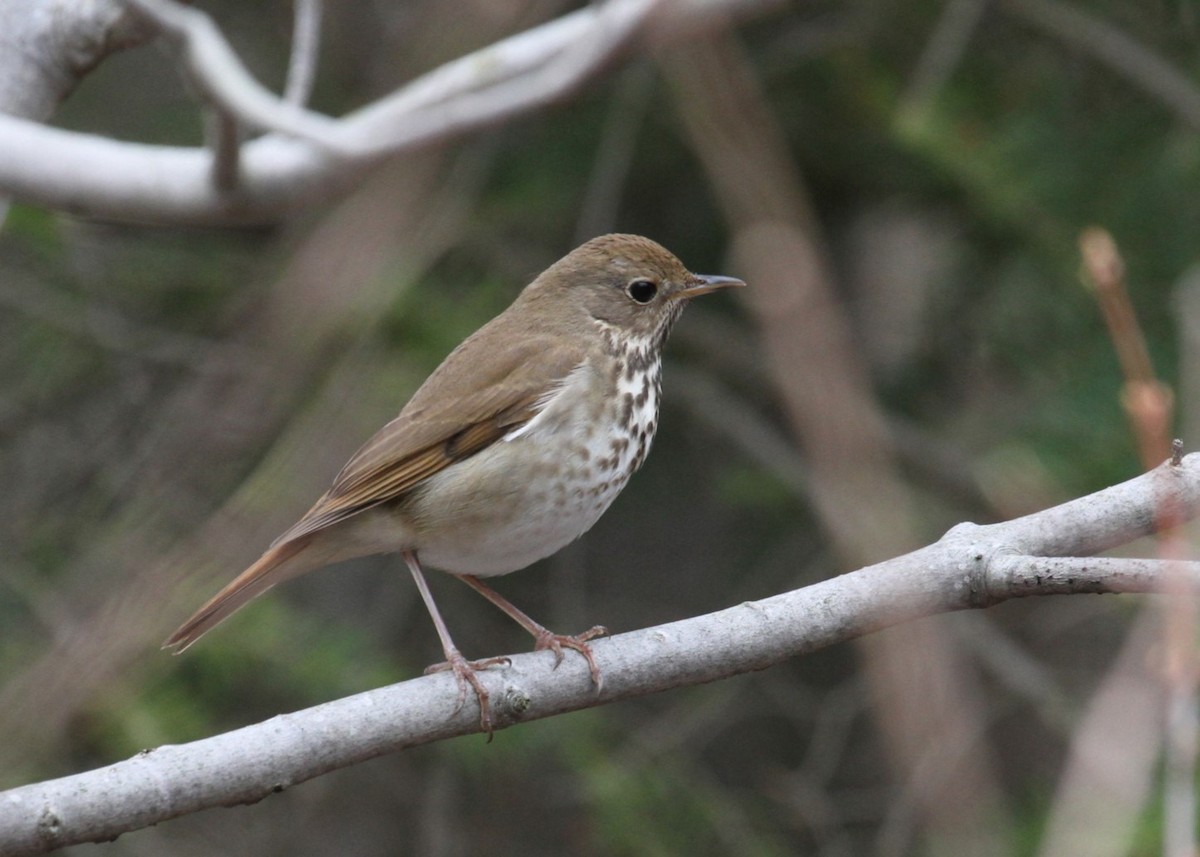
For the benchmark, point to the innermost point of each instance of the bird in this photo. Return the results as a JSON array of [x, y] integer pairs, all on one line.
[[511, 449]]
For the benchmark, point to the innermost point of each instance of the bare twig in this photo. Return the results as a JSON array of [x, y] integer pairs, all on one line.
[[313, 156], [971, 566], [1117, 50], [614, 155], [1148, 403], [515, 77], [220, 77], [945, 47], [1018, 671], [725, 413], [852, 480], [522, 71], [1186, 294], [224, 140], [306, 45]]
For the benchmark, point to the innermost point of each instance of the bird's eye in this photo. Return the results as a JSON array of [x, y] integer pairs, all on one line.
[[642, 291]]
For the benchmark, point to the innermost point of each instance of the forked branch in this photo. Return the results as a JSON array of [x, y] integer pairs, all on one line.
[[305, 156], [970, 567]]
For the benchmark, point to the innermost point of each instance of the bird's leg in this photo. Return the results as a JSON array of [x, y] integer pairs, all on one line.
[[464, 670], [545, 638]]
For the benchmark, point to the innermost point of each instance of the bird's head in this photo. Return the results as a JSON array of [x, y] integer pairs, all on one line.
[[627, 283]]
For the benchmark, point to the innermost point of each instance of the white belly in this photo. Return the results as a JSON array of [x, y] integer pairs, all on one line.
[[574, 458]]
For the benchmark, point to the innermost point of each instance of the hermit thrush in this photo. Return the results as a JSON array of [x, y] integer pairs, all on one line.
[[512, 448]]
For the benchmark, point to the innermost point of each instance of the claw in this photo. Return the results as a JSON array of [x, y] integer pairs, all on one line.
[[464, 675], [545, 638], [556, 643]]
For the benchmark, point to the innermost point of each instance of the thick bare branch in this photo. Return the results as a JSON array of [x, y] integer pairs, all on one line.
[[96, 176], [277, 174], [972, 566], [46, 47]]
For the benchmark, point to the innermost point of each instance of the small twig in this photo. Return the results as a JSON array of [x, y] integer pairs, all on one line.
[[1031, 575], [1116, 49], [423, 111], [517, 72], [725, 413], [223, 80], [285, 171], [943, 51], [1018, 671], [1104, 269], [1149, 405], [222, 128], [1147, 401], [306, 42], [225, 142], [1179, 673], [614, 155]]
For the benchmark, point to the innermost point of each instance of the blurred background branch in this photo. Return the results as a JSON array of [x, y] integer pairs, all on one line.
[[925, 691], [309, 156], [257, 761], [903, 184]]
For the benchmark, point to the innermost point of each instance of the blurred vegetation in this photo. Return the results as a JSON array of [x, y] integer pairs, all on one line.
[[952, 216]]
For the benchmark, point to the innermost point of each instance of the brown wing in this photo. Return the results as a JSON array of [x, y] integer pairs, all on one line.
[[471, 401]]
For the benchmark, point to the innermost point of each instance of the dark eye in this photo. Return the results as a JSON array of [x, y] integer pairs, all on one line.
[[642, 291]]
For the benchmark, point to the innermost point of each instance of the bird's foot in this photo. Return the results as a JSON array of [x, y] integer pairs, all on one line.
[[557, 642], [465, 674]]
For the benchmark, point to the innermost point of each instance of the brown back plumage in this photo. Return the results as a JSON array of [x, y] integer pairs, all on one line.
[[489, 386], [471, 401]]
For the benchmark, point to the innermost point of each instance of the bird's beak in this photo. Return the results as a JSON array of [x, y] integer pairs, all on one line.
[[702, 284]]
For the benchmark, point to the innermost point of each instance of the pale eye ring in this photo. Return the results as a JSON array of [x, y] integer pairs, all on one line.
[[642, 290]]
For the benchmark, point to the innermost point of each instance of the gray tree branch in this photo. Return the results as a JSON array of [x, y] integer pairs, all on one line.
[[970, 567], [306, 156]]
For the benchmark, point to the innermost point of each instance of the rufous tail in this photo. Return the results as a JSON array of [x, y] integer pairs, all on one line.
[[281, 562]]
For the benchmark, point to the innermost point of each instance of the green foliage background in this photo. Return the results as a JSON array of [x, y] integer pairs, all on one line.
[[1007, 372]]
